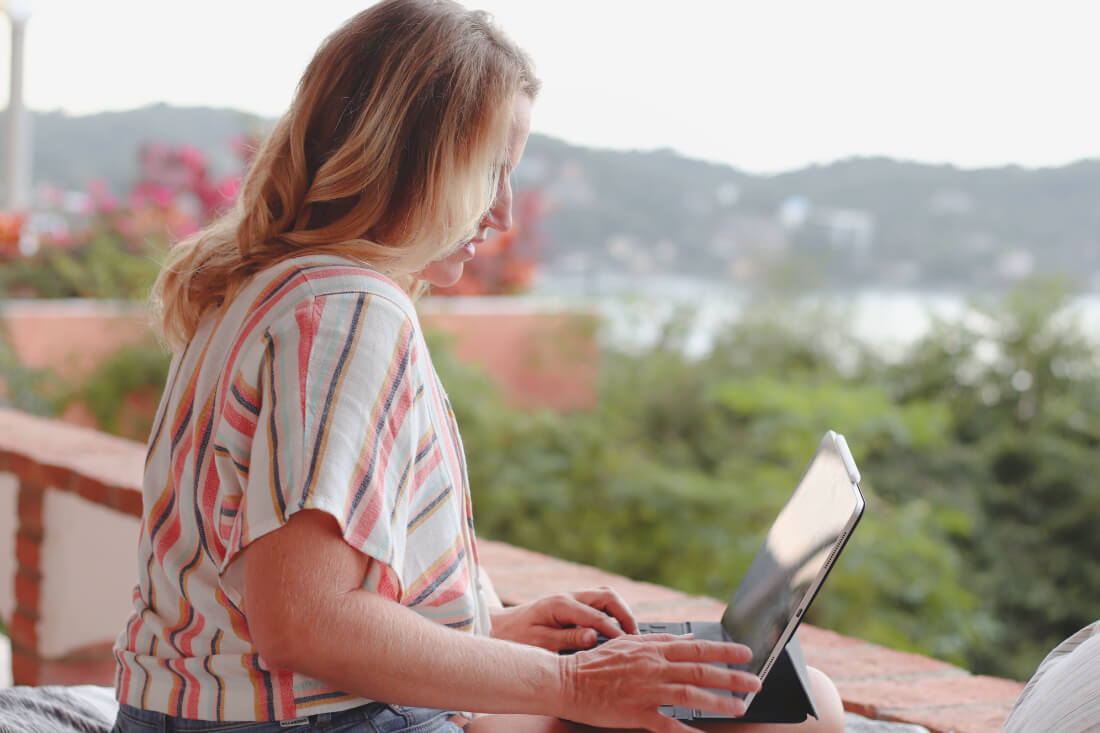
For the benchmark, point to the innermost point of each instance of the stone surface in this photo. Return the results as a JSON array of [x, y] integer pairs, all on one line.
[[858, 724], [48, 452], [972, 718], [896, 695], [850, 664]]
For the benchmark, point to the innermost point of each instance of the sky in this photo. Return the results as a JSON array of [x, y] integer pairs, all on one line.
[[765, 86]]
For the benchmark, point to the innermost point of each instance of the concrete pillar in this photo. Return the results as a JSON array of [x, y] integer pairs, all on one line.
[[17, 136]]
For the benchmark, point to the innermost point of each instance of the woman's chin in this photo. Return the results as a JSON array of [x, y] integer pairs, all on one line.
[[439, 275]]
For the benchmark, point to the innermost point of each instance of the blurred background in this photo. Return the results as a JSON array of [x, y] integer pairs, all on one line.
[[738, 225]]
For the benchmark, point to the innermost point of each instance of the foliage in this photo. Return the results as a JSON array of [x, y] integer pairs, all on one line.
[[1025, 394], [105, 267], [37, 391], [121, 393], [114, 392]]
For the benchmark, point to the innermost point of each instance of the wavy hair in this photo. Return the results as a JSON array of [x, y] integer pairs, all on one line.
[[390, 154]]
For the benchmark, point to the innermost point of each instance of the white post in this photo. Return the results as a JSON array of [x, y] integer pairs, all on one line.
[[17, 136]]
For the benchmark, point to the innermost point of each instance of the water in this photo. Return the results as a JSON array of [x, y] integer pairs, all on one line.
[[634, 312]]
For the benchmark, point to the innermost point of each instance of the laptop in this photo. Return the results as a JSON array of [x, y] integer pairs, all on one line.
[[789, 569]]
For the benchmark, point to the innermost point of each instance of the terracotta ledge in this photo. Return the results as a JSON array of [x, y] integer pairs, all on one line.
[[874, 681]]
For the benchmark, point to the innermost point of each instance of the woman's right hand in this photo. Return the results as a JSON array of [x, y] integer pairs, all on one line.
[[621, 684]]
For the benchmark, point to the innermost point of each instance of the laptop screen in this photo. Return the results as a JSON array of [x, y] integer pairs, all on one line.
[[799, 547]]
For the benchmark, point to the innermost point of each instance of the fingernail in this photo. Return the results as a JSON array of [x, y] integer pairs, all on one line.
[[590, 637]]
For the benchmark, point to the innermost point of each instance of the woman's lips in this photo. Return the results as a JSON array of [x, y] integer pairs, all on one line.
[[470, 248]]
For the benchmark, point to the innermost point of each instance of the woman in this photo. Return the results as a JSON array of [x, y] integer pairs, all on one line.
[[307, 547]]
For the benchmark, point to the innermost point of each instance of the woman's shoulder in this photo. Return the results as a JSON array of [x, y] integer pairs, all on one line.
[[325, 275], [281, 288], [314, 294]]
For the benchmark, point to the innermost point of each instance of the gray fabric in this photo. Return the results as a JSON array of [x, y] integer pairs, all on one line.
[[83, 709], [1064, 693]]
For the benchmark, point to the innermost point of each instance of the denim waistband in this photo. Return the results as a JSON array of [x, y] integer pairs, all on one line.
[[375, 717], [163, 723]]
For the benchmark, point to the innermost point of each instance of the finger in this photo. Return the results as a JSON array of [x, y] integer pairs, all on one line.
[[557, 640], [572, 611], [608, 601], [689, 696], [714, 677], [694, 650]]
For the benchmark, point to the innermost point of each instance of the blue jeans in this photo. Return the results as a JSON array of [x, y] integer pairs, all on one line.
[[373, 718]]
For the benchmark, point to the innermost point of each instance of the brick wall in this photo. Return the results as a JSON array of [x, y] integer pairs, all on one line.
[[48, 457], [539, 356]]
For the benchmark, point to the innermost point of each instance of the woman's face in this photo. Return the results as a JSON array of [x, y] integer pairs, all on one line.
[[446, 271]]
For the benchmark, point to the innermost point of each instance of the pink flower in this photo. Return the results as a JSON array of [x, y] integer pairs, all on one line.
[[229, 188], [161, 196]]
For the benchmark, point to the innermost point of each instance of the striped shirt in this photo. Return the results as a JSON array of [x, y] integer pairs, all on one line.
[[313, 389]]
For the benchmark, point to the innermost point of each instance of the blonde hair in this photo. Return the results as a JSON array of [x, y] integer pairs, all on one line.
[[390, 154]]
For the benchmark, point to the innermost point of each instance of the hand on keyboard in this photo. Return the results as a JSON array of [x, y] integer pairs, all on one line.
[[566, 620], [622, 683]]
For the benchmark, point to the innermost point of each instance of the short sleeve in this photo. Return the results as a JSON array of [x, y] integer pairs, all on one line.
[[337, 427]]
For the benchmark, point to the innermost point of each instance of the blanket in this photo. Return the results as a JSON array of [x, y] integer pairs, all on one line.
[[56, 709]]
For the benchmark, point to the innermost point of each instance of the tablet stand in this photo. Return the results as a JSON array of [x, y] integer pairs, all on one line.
[[786, 696]]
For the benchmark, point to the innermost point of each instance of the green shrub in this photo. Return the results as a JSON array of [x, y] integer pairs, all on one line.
[[107, 266], [37, 391], [108, 393]]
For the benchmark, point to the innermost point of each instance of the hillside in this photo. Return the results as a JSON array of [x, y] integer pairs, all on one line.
[[71, 151], [875, 221]]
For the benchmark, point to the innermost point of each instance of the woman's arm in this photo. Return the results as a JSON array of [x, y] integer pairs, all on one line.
[[307, 612]]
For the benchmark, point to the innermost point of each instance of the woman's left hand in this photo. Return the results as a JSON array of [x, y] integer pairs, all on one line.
[[566, 620]]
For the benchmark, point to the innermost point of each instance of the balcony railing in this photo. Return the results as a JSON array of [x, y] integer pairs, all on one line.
[[70, 499]]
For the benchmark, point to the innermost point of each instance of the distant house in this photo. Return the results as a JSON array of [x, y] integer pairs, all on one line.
[[848, 228], [852, 229]]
